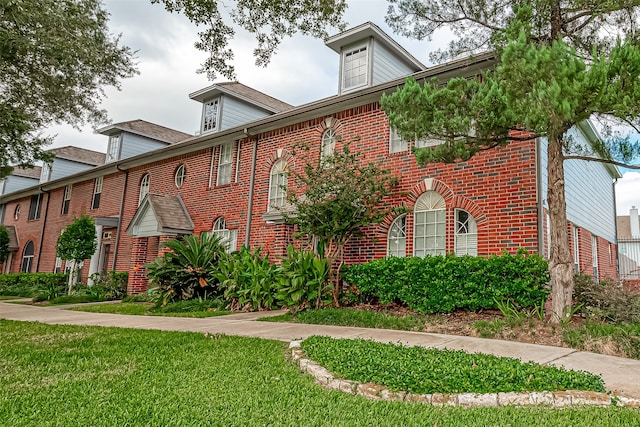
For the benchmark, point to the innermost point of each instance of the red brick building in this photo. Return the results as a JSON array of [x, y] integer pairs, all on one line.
[[158, 183]]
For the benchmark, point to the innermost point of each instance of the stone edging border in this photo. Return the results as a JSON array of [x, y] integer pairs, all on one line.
[[556, 399]]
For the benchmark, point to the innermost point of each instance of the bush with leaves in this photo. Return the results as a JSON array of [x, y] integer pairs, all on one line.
[[606, 300], [443, 284], [109, 284], [248, 280], [303, 280], [188, 270], [40, 286]]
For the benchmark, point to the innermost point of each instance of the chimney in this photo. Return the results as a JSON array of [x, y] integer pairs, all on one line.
[[635, 224]]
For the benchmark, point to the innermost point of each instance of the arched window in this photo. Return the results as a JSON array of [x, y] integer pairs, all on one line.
[[278, 185], [328, 143], [466, 234], [181, 174], [429, 225], [228, 237], [27, 257], [397, 237], [144, 187]]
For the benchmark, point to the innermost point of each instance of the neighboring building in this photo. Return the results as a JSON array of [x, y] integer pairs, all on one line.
[[629, 245], [228, 179]]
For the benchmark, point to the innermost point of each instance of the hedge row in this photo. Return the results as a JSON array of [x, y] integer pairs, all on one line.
[[31, 284], [443, 284]]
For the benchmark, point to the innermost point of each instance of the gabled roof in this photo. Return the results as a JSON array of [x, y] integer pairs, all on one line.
[[170, 214], [245, 93], [146, 129], [369, 29], [80, 155], [33, 172]]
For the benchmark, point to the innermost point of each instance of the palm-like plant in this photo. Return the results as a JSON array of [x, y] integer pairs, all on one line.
[[187, 271]]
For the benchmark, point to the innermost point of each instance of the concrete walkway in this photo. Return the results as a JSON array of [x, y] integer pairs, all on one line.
[[620, 374]]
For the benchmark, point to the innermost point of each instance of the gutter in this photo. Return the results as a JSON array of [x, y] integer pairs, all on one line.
[[252, 180], [539, 200], [615, 225]]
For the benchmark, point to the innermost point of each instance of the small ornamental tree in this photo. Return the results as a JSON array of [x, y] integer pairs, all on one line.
[[4, 244], [341, 195], [77, 243]]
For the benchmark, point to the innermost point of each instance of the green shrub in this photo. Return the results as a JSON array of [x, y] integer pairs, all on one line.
[[248, 280], [422, 370], [41, 286], [442, 284], [188, 270], [303, 280], [606, 300], [111, 284]]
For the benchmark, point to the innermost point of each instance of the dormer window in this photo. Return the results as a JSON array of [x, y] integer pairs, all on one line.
[[45, 172], [210, 115], [355, 67], [113, 149]]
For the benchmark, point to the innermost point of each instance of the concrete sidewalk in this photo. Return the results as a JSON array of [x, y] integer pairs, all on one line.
[[620, 374]]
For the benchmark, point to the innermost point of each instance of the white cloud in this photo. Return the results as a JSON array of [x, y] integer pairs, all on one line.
[[628, 192]]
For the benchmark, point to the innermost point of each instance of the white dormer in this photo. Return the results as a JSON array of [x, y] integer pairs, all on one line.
[[230, 104], [368, 56]]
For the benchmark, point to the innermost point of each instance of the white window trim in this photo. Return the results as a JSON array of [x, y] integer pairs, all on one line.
[[470, 236], [576, 248], [113, 148], [429, 201], [180, 176], [97, 189], [400, 249], [397, 144], [145, 183], [228, 237], [349, 52], [278, 194], [226, 150], [328, 140], [207, 126], [45, 172]]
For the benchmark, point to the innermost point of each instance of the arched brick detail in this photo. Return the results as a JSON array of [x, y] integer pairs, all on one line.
[[279, 154], [461, 202], [330, 122], [429, 184]]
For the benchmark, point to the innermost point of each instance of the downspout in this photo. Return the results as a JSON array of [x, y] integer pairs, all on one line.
[[44, 225], [540, 227], [119, 228], [615, 225], [252, 180]]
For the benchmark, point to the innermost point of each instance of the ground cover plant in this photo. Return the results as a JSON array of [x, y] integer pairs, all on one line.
[[42, 286], [422, 370], [65, 375]]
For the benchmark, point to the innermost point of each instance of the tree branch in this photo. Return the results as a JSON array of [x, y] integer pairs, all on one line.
[[598, 160]]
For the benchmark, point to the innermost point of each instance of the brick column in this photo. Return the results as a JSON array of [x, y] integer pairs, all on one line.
[[137, 273]]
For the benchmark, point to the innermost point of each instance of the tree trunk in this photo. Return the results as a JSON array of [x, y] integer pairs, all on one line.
[[560, 261]]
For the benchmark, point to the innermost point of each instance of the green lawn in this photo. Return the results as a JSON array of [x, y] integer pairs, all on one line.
[[145, 309], [53, 375]]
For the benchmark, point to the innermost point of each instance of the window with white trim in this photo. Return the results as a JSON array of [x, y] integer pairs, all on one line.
[[576, 248], [397, 144], [397, 237], [228, 237], [594, 257], [45, 172], [97, 193], [427, 142], [144, 187], [180, 175], [225, 161], [27, 257], [113, 148], [35, 207], [278, 180], [429, 225], [16, 213], [66, 200], [466, 234], [355, 67], [210, 113], [328, 143]]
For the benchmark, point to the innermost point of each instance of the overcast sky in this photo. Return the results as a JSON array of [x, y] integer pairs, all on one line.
[[303, 70]]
